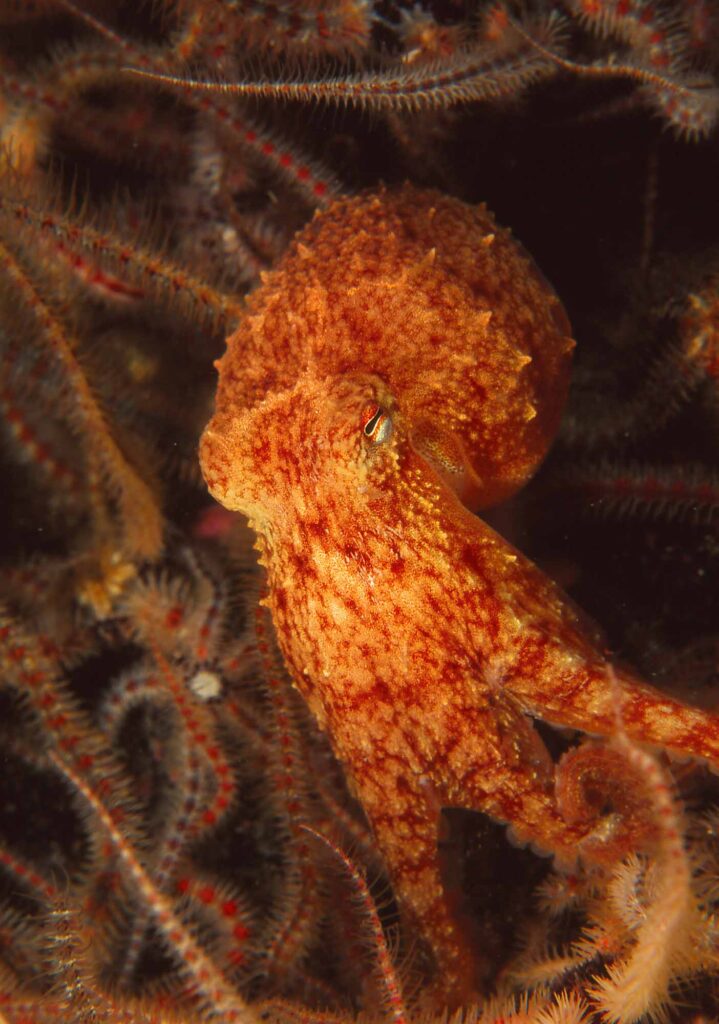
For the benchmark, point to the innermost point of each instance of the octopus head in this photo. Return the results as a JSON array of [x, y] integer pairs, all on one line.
[[327, 445]]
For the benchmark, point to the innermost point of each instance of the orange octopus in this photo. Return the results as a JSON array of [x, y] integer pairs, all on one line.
[[406, 362]]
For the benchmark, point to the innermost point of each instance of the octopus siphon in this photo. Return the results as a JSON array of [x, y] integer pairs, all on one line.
[[404, 366]]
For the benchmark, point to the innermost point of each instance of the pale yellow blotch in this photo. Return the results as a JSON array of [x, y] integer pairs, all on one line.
[[697, 302], [484, 318], [696, 345], [529, 413], [337, 611], [488, 240], [22, 139], [303, 252]]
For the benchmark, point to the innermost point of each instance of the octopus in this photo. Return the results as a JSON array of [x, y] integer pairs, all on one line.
[[404, 367]]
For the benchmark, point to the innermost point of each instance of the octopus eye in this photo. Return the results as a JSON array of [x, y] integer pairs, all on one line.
[[377, 424]]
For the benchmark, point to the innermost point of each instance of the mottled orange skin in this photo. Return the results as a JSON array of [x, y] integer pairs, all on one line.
[[422, 641]]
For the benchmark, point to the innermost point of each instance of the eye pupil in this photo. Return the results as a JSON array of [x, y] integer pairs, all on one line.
[[371, 424], [379, 425]]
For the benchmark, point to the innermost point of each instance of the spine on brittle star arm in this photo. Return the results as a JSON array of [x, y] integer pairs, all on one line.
[[29, 672], [390, 982], [32, 447], [177, 826], [180, 625], [663, 36], [84, 249], [214, 992], [480, 73], [646, 492], [649, 926], [140, 515], [201, 732], [308, 176], [313, 180], [160, 617], [295, 921], [25, 877], [339, 28], [668, 382], [689, 103], [72, 966], [60, 100], [666, 942]]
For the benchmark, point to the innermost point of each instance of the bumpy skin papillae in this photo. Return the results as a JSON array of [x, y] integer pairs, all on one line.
[[437, 300], [422, 641]]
